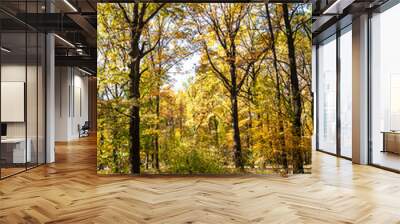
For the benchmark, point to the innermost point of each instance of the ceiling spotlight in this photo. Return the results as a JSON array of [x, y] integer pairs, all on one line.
[[71, 6], [64, 40], [5, 50]]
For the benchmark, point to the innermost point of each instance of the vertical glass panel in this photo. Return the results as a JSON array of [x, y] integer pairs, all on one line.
[[22, 87], [385, 92], [32, 86], [327, 95], [32, 98], [346, 93], [41, 99], [13, 92]]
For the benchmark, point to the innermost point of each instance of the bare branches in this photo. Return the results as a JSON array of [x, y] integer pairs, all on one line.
[[219, 74], [125, 13], [246, 74], [154, 13], [145, 52]]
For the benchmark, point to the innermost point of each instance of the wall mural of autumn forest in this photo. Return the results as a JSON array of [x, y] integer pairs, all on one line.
[[204, 88]]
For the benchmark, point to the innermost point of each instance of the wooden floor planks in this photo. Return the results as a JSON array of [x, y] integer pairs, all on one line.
[[70, 191]]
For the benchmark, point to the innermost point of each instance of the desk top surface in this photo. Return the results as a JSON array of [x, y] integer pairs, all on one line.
[[391, 132], [13, 140]]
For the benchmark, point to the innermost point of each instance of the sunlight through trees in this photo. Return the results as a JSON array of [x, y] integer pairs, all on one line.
[[247, 107]]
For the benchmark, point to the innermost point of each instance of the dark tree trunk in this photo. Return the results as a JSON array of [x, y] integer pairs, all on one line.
[[249, 154], [157, 160], [137, 24], [227, 41], [281, 138], [115, 160], [134, 132], [134, 124], [147, 159], [157, 145], [249, 127], [236, 132], [296, 98], [216, 132], [235, 115]]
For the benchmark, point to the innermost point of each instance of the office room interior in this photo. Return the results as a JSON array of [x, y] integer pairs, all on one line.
[[206, 111], [27, 140]]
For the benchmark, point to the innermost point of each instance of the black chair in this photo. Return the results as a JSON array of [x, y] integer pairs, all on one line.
[[84, 130]]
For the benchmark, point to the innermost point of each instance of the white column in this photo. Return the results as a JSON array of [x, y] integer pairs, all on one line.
[[360, 90], [62, 103], [50, 94]]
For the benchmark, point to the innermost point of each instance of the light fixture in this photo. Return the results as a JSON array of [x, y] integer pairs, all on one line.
[[64, 40], [5, 50], [70, 5], [80, 51], [84, 71], [337, 7]]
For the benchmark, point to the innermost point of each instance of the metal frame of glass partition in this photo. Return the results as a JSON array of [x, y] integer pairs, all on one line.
[[336, 31], [40, 51]]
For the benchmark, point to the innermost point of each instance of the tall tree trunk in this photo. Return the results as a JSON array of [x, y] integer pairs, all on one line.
[[115, 159], [236, 132], [249, 126], [147, 159], [235, 117], [134, 124], [137, 24], [157, 145], [295, 90], [249, 154], [282, 146], [134, 132], [216, 136]]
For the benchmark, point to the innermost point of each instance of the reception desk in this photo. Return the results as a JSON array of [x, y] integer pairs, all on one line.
[[13, 150], [391, 141]]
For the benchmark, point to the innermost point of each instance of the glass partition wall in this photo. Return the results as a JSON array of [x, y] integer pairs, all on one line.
[[22, 89], [334, 93], [385, 89], [327, 95], [345, 90]]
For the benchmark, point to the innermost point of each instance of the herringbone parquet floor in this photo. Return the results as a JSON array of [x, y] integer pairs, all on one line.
[[69, 191]]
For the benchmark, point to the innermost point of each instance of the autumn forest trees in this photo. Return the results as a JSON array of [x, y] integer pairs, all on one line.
[[204, 88]]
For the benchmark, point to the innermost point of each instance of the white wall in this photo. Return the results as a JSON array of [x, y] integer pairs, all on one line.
[[71, 102]]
